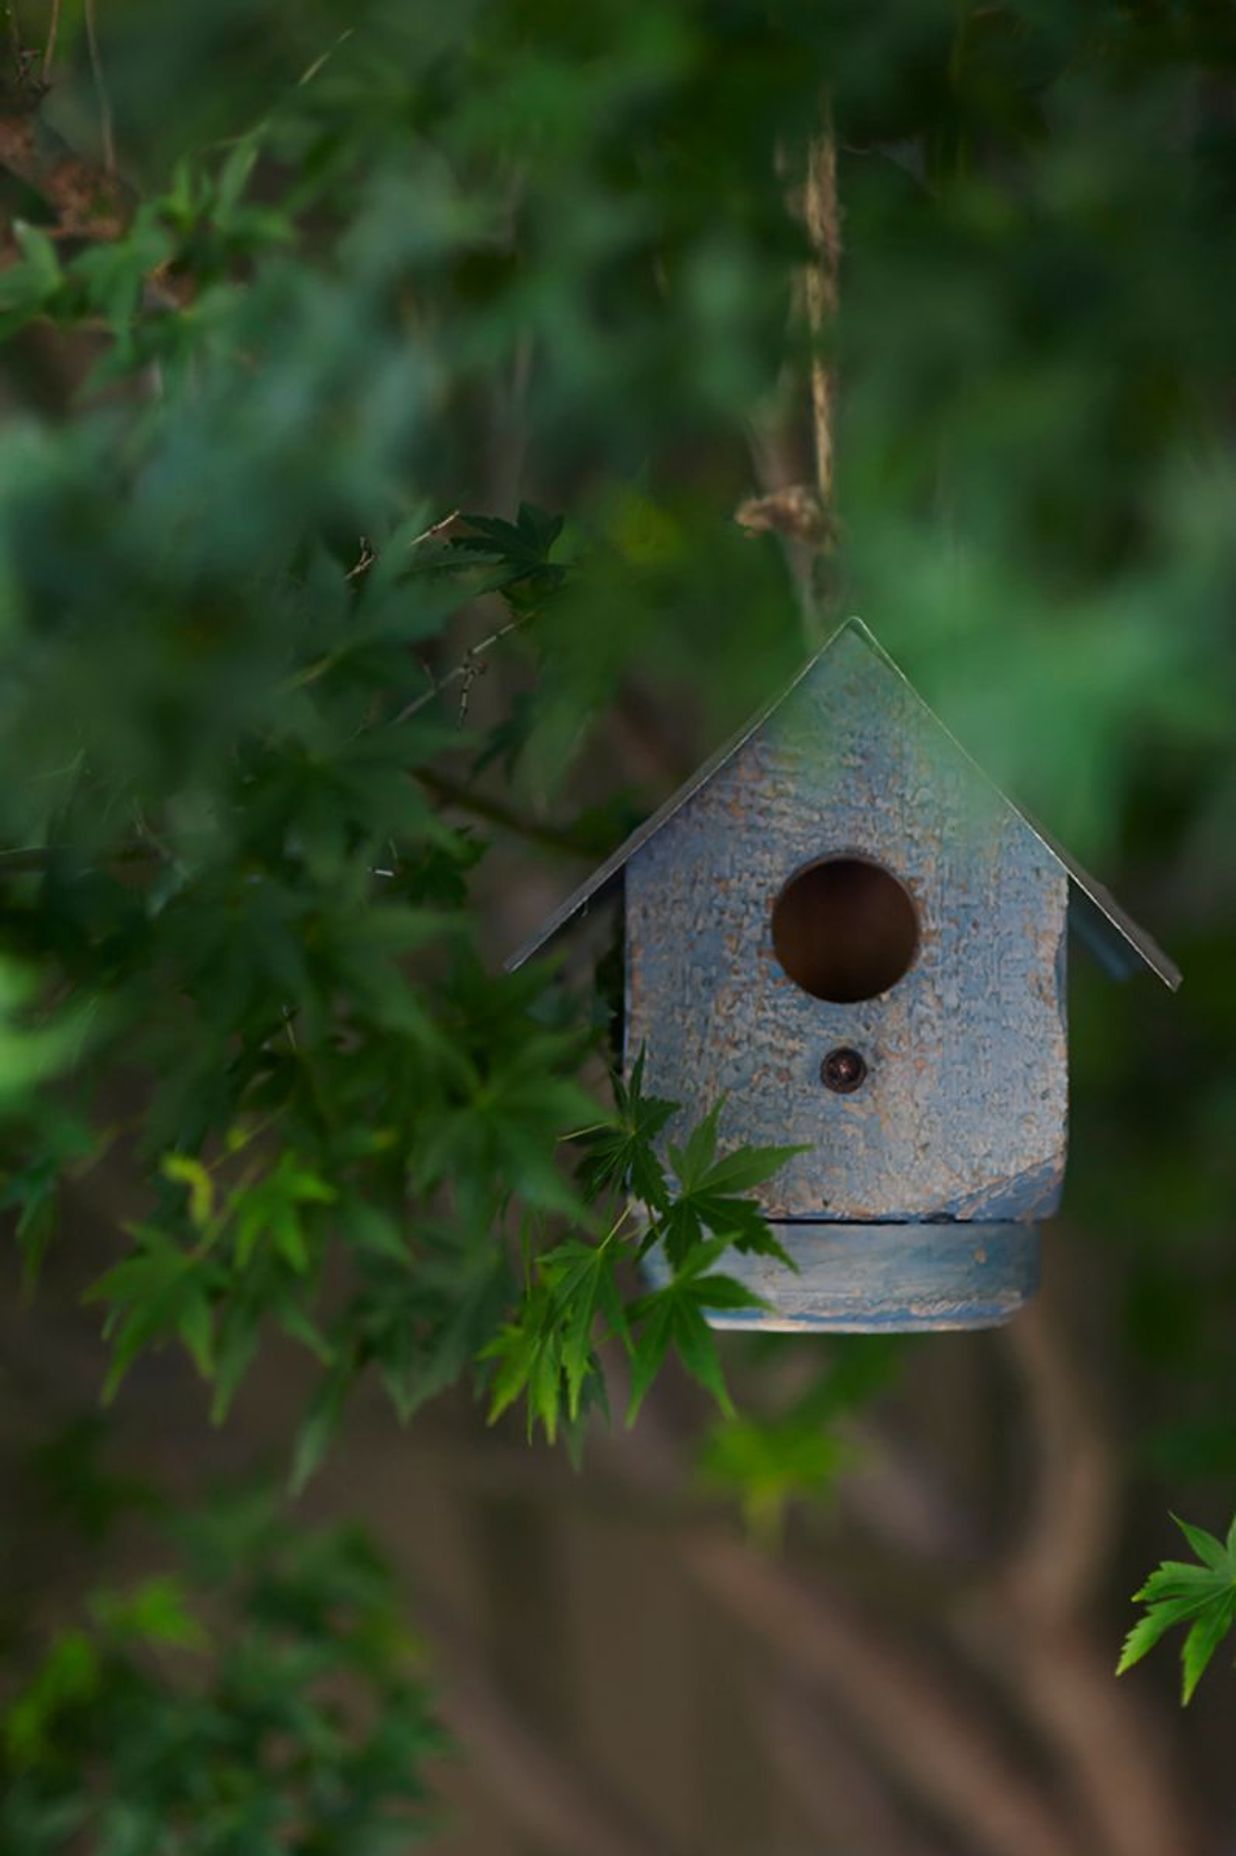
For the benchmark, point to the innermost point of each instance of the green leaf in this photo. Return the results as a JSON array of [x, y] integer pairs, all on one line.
[[767, 1463], [671, 1318], [621, 1157], [580, 1278], [320, 1425], [235, 174], [158, 1292], [40, 254], [709, 1196], [270, 1210], [54, 1146], [196, 1328], [70, 1675], [236, 1343], [691, 1163], [190, 1172], [1210, 1551], [1177, 1592], [1157, 1622], [374, 1231], [521, 549], [528, 1356], [747, 1167], [548, 1351], [696, 1346], [156, 1611], [1178, 1579], [1201, 1642]]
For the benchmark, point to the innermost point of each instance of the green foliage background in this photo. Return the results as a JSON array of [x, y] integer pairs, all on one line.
[[384, 263]]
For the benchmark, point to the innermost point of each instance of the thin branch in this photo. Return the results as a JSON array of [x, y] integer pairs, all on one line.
[[15, 46], [1033, 1629], [364, 560], [939, 1743], [1069, 1533], [107, 133], [323, 58], [939, 1746], [1030, 1628], [496, 812], [846, 1803], [1111, 1748], [30, 859], [53, 34], [26, 860], [558, 1802], [434, 529], [465, 670]]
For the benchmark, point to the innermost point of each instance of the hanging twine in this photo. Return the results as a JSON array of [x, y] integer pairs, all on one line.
[[802, 512], [824, 232]]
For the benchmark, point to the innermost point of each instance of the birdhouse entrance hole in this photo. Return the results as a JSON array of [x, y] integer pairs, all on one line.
[[845, 929]]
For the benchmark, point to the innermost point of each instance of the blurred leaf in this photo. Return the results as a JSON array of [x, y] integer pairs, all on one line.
[[299, 1707]]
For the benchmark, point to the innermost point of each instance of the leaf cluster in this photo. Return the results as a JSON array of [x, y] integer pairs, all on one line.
[[234, 895], [260, 1696], [232, 708], [581, 1293]]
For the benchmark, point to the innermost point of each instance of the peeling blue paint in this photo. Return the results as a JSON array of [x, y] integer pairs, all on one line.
[[873, 1278], [912, 1206], [963, 1111]]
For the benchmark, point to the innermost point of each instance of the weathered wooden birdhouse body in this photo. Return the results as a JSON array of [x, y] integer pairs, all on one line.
[[842, 930]]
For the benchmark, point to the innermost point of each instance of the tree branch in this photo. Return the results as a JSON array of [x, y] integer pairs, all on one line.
[[845, 1803], [87, 203], [939, 1744], [551, 1800], [1033, 1627], [31, 859], [1070, 1529], [497, 812]]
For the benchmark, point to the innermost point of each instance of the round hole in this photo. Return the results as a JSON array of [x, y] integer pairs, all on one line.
[[845, 929]]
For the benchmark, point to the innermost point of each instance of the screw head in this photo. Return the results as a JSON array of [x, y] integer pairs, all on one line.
[[843, 1071]]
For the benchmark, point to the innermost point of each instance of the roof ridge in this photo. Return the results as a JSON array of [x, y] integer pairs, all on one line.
[[1108, 929]]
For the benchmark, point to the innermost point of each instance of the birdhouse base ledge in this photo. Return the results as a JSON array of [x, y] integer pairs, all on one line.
[[883, 1278]]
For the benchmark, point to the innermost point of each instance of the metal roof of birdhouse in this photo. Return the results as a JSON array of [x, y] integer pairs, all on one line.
[[1108, 931]]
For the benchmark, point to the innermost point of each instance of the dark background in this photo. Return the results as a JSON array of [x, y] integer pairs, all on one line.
[[1034, 500]]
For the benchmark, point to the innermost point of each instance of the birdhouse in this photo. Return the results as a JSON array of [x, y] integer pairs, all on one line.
[[841, 930]]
